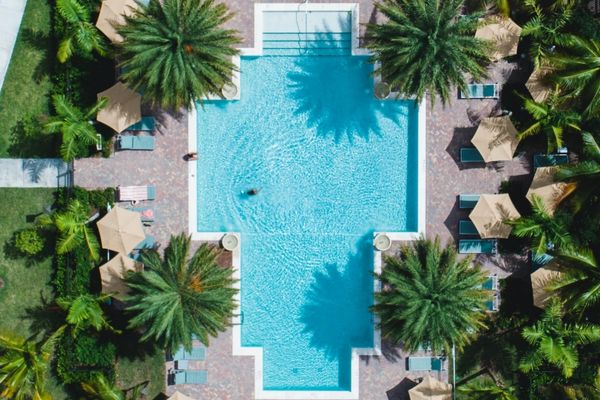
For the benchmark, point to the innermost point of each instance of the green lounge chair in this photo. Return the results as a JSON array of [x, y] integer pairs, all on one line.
[[480, 91], [470, 155], [136, 142], [148, 243], [425, 363], [145, 124], [549, 160], [136, 193], [493, 304], [491, 283], [191, 377], [197, 354], [539, 260], [467, 227], [467, 201], [477, 246]]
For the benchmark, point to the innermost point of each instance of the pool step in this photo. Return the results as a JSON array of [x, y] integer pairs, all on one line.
[[311, 43]]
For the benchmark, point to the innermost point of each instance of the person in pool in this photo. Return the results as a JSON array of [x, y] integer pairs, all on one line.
[[253, 192]]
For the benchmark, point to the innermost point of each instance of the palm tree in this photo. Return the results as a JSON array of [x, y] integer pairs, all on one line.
[[85, 312], [176, 52], [176, 297], [430, 298], [578, 73], [551, 120], [545, 230], [72, 225], [545, 28], [24, 364], [555, 342], [427, 46], [100, 388], [486, 389], [80, 35], [74, 124]]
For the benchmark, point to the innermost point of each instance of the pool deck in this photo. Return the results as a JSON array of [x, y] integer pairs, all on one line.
[[448, 128]]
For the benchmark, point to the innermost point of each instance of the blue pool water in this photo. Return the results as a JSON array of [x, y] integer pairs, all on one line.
[[333, 165]]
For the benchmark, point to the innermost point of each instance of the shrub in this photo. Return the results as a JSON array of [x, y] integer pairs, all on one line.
[[79, 358], [29, 242]]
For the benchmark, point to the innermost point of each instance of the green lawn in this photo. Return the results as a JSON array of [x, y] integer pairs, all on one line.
[[27, 84], [26, 283], [150, 369]]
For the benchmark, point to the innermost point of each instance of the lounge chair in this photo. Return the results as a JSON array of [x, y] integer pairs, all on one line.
[[135, 142], [478, 246], [145, 124], [136, 193], [467, 227], [491, 283], [494, 303], [467, 201], [146, 214], [148, 243], [480, 91], [549, 160], [197, 354], [425, 363], [539, 260], [470, 155], [191, 377]]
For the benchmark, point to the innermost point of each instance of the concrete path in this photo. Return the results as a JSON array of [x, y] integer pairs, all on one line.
[[31, 173], [11, 13]]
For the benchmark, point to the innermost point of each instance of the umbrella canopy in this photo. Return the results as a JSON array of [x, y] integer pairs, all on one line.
[[112, 14], [113, 272], [179, 396], [540, 280], [489, 215], [538, 85], [123, 108], [550, 192], [431, 389], [496, 139], [121, 230], [504, 35]]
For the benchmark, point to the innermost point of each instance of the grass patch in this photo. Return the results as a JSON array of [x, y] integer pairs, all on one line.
[[147, 368], [27, 84], [27, 283]]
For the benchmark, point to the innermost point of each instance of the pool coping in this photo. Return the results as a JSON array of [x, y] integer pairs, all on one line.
[[257, 352]]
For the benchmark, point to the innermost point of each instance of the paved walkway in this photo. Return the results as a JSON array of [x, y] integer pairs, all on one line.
[[11, 13], [33, 173]]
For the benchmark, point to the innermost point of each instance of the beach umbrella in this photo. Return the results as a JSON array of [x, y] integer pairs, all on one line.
[[112, 14], [431, 389], [539, 283], [121, 230], [538, 85], [504, 34], [547, 189], [490, 214], [123, 108], [113, 272], [496, 139]]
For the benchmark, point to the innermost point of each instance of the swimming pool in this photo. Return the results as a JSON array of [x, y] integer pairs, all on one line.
[[332, 165]]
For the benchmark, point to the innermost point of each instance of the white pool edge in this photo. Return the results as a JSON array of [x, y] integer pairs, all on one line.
[[257, 352]]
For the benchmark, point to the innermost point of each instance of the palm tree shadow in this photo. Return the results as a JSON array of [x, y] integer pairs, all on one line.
[[43, 43]]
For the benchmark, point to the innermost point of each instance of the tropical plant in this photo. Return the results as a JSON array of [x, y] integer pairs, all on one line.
[[427, 46], [176, 297], [430, 298], [81, 35], [176, 51], [24, 364], [100, 388], [545, 230], [545, 28], [486, 389], [85, 312], [555, 342], [551, 120], [29, 242], [578, 73], [72, 225], [74, 125]]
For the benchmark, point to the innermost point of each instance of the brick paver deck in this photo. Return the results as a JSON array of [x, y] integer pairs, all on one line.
[[381, 378]]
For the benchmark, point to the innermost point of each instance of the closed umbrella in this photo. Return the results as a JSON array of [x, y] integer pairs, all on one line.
[[112, 14], [538, 85], [550, 192], [124, 107], [112, 274], [496, 139], [539, 283], [431, 389], [504, 34], [121, 230], [490, 214]]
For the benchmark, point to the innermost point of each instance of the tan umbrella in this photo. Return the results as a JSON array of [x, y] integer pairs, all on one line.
[[539, 282], [490, 214], [496, 139], [550, 192], [112, 13], [123, 108], [538, 85], [121, 230], [431, 389], [113, 272], [179, 396], [504, 35]]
